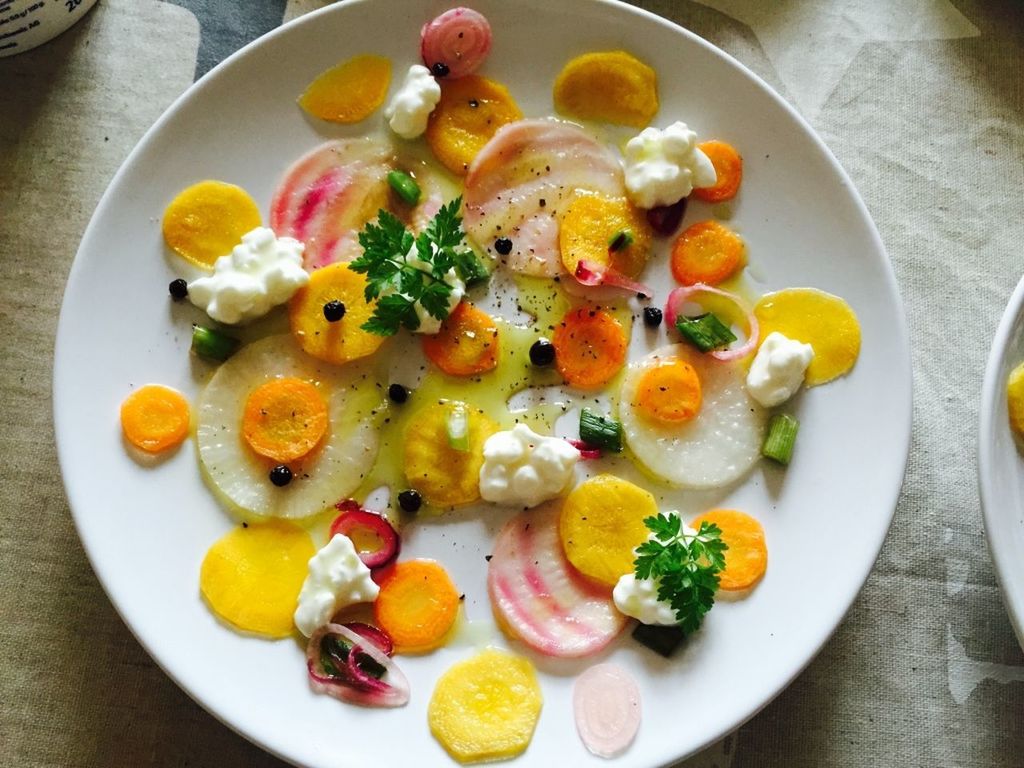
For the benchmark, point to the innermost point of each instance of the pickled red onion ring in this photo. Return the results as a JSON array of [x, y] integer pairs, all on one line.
[[681, 295], [460, 39], [392, 690], [591, 274], [354, 518]]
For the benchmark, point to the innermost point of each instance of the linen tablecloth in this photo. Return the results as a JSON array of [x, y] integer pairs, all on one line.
[[922, 101]]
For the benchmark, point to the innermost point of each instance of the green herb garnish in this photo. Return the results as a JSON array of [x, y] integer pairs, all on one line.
[[399, 286], [686, 566], [705, 332]]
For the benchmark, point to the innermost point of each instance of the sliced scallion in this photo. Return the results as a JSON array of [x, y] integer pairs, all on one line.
[[405, 186], [621, 239], [212, 344], [457, 426], [600, 431], [778, 445], [473, 270], [706, 332]]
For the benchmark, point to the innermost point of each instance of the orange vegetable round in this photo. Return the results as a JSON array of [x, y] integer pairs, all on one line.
[[707, 252], [155, 418], [340, 341], [467, 343], [590, 347], [205, 221], [612, 86], [728, 168], [669, 391], [470, 112], [589, 224], [746, 559], [284, 419], [349, 92], [417, 605]]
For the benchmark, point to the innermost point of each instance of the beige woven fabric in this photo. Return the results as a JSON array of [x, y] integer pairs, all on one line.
[[921, 100]]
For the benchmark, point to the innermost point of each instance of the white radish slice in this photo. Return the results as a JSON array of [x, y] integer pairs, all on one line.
[[522, 181], [717, 446], [606, 705], [540, 598], [331, 472]]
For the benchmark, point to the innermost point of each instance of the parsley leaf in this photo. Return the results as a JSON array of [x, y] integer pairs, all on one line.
[[399, 286], [686, 566]]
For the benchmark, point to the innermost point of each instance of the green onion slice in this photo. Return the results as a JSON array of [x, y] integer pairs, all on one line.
[[706, 332], [457, 426], [600, 431], [212, 344], [405, 186], [778, 445], [620, 240]]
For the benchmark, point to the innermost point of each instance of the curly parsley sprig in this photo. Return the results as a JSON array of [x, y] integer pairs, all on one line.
[[398, 286], [686, 565]]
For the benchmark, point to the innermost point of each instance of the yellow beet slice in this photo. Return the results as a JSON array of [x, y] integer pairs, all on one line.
[[746, 559], [602, 521], [470, 112], [344, 339], [251, 577], [589, 225], [205, 221], [486, 707], [1015, 399], [349, 92], [446, 477], [610, 86], [824, 321]]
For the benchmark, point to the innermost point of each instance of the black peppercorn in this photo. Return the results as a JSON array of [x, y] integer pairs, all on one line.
[[398, 393], [334, 311], [178, 289], [652, 317], [542, 352], [439, 69], [280, 475], [503, 246], [410, 501]]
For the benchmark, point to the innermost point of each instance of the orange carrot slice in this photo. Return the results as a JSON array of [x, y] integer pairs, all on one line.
[[707, 252], [349, 92], [284, 419], [470, 112], [669, 391], [417, 605], [155, 418], [467, 343], [590, 347], [746, 560], [729, 169]]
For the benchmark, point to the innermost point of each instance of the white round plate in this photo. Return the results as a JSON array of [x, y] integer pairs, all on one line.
[[146, 529], [1001, 462]]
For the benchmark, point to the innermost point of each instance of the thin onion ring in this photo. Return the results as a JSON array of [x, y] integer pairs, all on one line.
[[590, 274], [396, 690], [681, 295]]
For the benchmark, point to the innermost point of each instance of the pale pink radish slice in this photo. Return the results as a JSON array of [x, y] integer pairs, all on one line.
[[329, 194], [327, 197], [522, 181], [538, 596], [606, 705], [460, 39]]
